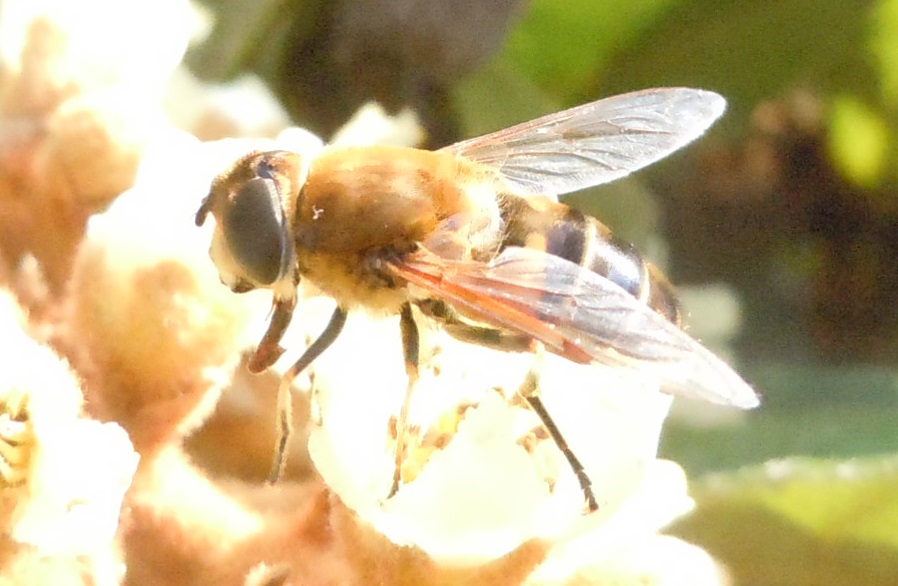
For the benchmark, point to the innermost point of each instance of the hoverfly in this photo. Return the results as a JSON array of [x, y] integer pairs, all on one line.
[[472, 235]]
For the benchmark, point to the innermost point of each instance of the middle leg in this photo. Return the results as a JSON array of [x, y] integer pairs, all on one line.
[[411, 350]]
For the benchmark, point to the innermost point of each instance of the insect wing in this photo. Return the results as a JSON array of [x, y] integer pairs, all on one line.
[[580, 315], [594, 143]]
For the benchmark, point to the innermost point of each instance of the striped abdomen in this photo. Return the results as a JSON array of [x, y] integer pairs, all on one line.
[[568, 233]]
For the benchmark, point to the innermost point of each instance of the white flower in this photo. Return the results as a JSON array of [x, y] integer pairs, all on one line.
[[105, 42], [65, 475], [483, 495]]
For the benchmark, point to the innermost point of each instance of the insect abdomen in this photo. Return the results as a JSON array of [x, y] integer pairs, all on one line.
[[568, 233]]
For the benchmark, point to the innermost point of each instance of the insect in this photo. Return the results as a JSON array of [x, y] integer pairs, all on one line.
[[474, 237]]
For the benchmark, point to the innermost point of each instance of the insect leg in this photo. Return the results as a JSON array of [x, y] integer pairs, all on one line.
[[455, 326], [269, 349], [530, 391], [285, 399], [410, 349], [499, 339]]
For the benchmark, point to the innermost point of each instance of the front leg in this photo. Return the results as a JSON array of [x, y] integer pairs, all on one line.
[[269, 348], [285, 399]]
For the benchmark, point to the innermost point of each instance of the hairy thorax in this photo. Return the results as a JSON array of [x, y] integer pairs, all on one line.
[[361, 207]]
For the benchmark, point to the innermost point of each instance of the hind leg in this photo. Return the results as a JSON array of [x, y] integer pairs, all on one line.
[[529, 390]]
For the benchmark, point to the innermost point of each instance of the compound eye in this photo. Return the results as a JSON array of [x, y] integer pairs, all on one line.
[[256, 232]]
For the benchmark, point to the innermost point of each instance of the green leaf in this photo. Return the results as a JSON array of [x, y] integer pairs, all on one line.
[[812, 410], [884, 48], [859, 141], [801, 522], [497, 97], [749, 51], [561, 45], [829, 431]]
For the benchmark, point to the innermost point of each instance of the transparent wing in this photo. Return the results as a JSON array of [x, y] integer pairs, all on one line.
[[596, 142], [580, 315]]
